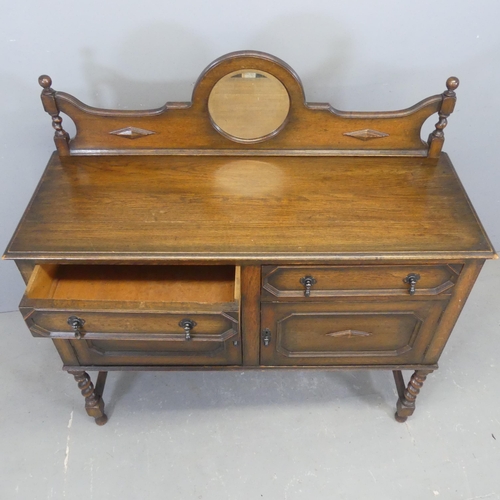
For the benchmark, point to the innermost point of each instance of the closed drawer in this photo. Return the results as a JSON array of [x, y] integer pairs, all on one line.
[[111, 330], [351, 281], [339, 333]]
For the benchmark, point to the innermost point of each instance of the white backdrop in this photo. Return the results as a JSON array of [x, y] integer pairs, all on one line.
[[357, 55]]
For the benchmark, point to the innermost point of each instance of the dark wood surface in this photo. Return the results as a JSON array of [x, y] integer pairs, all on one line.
[[275, 209]]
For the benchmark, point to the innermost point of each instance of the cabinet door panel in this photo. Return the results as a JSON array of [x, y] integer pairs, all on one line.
[[348, 333]]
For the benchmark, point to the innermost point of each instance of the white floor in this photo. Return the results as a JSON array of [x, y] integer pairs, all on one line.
[[254, 435]]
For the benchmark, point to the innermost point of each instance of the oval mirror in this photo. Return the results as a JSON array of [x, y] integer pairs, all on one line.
[[248, 105]]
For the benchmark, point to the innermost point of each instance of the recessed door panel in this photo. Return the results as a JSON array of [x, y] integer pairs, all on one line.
[[345, 333]]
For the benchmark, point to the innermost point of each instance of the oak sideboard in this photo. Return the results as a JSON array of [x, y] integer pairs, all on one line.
[[248, 229]]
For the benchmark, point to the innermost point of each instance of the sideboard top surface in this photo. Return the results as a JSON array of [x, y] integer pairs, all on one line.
[[249, 209]]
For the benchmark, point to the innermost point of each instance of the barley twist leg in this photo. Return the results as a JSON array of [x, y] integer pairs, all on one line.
[[94, 405], [407, 396]]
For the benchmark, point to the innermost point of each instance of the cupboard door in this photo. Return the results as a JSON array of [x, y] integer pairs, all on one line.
[[345, 333]]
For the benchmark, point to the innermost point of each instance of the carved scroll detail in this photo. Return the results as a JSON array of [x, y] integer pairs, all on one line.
[[366, 134], [349, 333]]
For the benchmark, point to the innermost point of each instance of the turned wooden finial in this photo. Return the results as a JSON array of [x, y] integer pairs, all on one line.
[[49, 101], [45, 81], [452, 84], [436, 138]]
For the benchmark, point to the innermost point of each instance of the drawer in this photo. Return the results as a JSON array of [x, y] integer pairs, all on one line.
[[339, 333], [144, 338], [351, 281], [138, 315]]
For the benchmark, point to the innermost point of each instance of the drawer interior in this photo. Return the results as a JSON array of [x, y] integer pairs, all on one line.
[[141, 283]]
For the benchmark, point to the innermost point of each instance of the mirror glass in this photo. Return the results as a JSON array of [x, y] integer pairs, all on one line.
[[248, 105]]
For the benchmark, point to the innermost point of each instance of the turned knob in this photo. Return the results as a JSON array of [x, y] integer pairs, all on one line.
[[412, 279], [188, 325], [308, 282], [77, 324]]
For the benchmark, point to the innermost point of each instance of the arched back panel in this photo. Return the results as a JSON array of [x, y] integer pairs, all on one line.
[[187, 129]]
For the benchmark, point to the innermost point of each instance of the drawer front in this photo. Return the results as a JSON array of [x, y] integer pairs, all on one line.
[[350, 281], [396, 332], [143, 338]]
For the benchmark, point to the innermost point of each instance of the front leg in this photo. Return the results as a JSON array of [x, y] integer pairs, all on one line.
[[407, 396], [94, 405]]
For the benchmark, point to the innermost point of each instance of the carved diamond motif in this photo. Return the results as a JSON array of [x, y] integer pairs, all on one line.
[[349, 333], [132, 132], [366, 134]]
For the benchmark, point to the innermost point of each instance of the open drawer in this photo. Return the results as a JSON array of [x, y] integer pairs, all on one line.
[[137, 315]]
